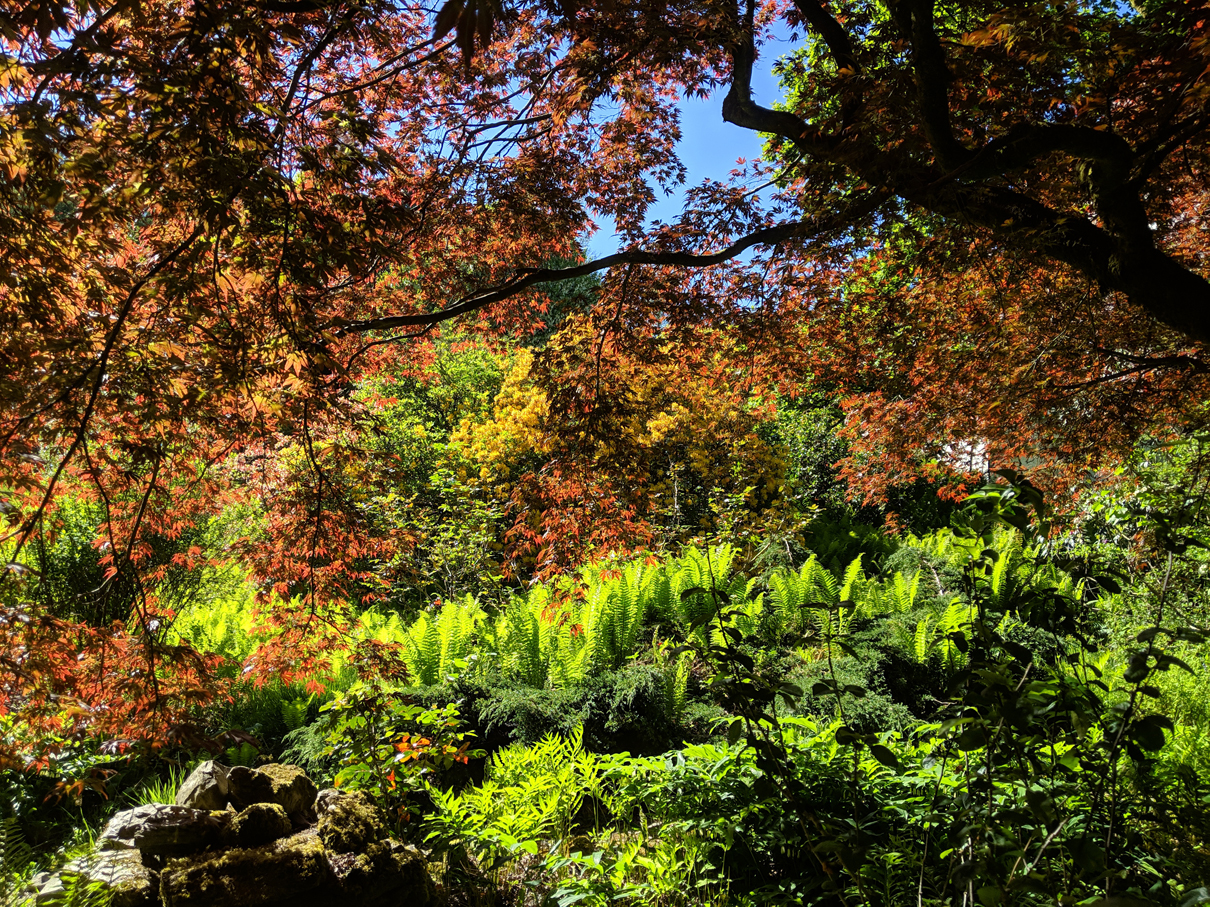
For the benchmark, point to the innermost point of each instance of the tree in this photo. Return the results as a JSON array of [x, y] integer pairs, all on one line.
[[216, 216]]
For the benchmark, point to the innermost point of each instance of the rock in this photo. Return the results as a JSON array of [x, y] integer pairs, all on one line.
[[293, 791], [350, 823], [205, 788], [120, 872], [246, 786], [259, 824], [160, 829], [324, 800], [346, 859], [296, 872], [383, 875], [279, 873]]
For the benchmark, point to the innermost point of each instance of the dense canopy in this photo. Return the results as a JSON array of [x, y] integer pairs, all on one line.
[[978, 224]]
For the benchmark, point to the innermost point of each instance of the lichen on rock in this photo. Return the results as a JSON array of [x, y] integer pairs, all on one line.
[[205, 788], [120, 873], [160, 829]]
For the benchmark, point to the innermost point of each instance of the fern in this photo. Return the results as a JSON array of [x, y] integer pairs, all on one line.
[[294, 712], [433, 646], [675, 675], [922, 642], [16, 861], [79, 891], [894, 596], [524, 636], [244, 754]]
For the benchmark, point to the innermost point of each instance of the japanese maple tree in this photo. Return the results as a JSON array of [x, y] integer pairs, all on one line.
[[216, 215]]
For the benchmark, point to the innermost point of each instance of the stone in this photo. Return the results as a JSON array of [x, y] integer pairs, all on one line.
[[205, 788], [293, 791], [258, 824], [325, 799], [297, 872], [160, 829], [120, 872], [350, 823], [246, 786], [382, 875], [288, 871]]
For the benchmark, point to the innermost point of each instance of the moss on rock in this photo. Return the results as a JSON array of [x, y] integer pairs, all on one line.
[[293, 870], [246, 786], [351, 823], [380, 873], [293, 791], [259, 824]]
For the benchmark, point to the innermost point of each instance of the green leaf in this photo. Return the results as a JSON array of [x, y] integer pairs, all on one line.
[[734, 730], [1149, 733], [884, 755]]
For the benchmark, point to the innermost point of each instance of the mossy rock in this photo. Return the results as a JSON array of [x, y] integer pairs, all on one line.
[[378, 875], [259, 824], [298, 872], [293, 791], [292, 871], [350, 823], [246, 786]]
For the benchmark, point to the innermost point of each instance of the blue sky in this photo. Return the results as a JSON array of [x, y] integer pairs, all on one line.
[[709, 147]]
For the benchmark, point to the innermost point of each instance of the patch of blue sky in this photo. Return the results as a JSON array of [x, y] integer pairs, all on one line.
[[709, 146]]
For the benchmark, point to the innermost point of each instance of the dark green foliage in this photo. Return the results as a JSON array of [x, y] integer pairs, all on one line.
[[72, 582], [807, 432], [836, 541], [880, 706], [620, 711]]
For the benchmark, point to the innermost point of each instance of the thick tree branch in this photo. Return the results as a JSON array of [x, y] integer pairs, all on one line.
[[1119, 253], [741, 110], [815, 14], [1027, 144], [932, 84]]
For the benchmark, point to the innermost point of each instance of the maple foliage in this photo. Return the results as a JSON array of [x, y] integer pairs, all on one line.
[[216, 218], [597, 447]]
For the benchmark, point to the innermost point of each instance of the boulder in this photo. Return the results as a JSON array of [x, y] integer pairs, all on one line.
[[384, 874], [297, 872], [325, 799], [293, 791], [250, 858], [246, 786], [259, 824], [120, 872], [287, 871], [350, 823], [205, 788], [160, 829]]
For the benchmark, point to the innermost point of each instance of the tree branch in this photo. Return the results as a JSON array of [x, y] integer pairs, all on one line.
[[528, 278], [932, 83], [839, 45]]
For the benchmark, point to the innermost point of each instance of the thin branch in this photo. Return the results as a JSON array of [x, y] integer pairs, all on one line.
[[535, 276]]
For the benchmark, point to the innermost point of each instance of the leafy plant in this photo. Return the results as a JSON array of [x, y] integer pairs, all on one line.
[[529, 794], [385, 744], [16, 862]]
